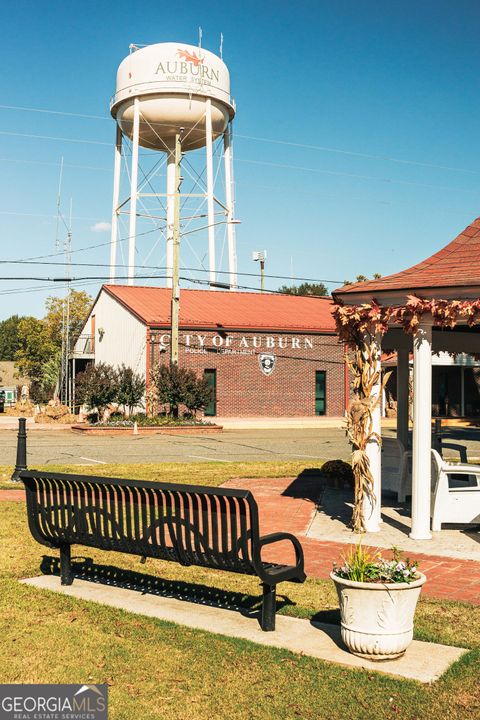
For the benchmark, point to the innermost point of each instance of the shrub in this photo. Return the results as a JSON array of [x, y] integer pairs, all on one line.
[[130, 389], [340, 473], [198, 395], [175, 386], [97, 387]]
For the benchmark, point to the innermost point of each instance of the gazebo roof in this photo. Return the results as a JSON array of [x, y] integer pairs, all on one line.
[[455, 267]]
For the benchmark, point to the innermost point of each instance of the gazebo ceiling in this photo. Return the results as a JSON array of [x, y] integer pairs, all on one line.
[[451, 273], [461, 339]]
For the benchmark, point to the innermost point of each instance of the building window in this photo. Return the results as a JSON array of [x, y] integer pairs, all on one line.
[[320, 392], [211, 377]]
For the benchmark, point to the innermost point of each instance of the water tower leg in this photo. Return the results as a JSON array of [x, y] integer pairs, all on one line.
[[170, 214], [133, 192], [116, 199], [229, 201], [210, 205]]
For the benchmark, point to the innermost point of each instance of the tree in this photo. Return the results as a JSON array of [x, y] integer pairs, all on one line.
[[51, 375], [9, 338], [363, 278], [97, 387], [130, 388], [36, 347], [177, 386], [305, 289], [80, 303]]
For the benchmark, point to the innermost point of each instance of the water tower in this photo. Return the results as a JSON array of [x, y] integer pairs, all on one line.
[[164, 92]]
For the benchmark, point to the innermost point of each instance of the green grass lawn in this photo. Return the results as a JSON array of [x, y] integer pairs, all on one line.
[[206, 473], [160, 670]]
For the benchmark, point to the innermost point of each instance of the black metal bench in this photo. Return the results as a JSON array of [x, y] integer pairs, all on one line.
[[193, 525]]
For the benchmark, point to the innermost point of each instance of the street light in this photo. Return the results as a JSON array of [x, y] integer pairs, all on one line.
[[260, 256]]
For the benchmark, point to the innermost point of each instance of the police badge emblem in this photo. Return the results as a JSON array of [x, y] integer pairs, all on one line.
[[267, 363]]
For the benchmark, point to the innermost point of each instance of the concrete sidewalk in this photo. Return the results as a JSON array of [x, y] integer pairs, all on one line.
[[425, 662], [251, 423], [228, 423]]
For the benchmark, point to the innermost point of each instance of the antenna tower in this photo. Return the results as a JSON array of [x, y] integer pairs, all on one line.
[[62, 389]]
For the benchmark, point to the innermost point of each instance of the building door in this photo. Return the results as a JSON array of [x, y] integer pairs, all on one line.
[[320, 392], [211, 377]]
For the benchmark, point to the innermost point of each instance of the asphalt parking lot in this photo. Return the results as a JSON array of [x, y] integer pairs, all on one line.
[[59, 447], [53, 447]]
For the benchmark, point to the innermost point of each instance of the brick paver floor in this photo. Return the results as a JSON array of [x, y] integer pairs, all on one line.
[[12, 495], [289, 505], [448, 578]]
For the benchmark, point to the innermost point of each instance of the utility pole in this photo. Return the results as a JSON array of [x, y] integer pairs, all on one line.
[[176, 255]]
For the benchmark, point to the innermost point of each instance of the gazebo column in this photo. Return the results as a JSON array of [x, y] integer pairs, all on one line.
[[402, 396], [372, 508], [422, 431]]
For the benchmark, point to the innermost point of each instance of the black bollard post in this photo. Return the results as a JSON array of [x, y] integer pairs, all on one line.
[[21, 463], [437, 435]]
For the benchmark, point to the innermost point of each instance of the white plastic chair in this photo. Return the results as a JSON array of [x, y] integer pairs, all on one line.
[[454, 500], [393, 462]]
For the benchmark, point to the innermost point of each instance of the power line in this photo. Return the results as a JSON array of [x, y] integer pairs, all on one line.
[[157, 267], [91, 279], [54, 112], [266, 163], [318, 148], [42, 288], [369, 156], [53, 163], [88, 247], [354, 175], [198, 281], [379, 201], [96, 278], [45, 215], [50, 137]]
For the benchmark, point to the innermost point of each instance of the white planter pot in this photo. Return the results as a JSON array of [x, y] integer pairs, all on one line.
[[376, 618]]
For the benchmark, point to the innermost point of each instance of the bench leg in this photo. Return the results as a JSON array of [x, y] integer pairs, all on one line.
[[269, 606], [66, 575]]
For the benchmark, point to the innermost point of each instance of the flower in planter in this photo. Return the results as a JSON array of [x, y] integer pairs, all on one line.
[[365, 565]]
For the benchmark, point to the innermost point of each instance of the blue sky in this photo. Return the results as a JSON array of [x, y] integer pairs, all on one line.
[[385, 94]]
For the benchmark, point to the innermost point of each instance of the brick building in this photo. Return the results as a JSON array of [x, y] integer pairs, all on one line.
[[265, 355]]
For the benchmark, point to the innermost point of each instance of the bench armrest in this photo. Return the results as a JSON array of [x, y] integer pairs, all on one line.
[[278, 537]]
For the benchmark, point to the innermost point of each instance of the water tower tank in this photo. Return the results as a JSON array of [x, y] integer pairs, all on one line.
[[172, 82]]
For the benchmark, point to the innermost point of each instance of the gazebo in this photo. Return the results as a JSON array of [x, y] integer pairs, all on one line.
[[431, 307]]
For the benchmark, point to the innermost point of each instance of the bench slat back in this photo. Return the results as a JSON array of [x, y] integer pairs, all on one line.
[[193, 525]]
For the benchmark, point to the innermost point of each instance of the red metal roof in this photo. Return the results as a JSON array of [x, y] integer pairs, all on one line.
[[227, 309], [457, 264]]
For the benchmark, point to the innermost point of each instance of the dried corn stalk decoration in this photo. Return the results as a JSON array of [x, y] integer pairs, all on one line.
[[367, 386]]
